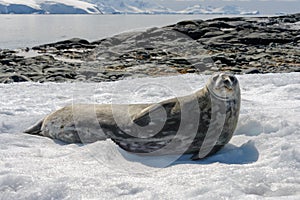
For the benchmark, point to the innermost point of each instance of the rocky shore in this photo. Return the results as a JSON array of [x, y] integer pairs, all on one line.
[[238, 45]]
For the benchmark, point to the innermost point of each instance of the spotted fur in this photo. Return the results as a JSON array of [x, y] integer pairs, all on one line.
[[200, 123]]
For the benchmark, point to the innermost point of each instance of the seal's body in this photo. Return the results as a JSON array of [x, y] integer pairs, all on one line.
[[200, 123]]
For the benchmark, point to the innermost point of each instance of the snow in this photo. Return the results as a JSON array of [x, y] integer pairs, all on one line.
[[48, 7], [30, 3], [261, 161], [19, 6], [68, 6], [108, 7], [225, 10], [148, 7], [130, 7]]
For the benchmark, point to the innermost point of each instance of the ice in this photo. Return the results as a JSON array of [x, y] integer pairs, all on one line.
[[227, 10], [109, 7], [261, 161], [47, 6]]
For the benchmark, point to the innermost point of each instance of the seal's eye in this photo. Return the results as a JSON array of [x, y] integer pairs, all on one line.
[[232, 79]]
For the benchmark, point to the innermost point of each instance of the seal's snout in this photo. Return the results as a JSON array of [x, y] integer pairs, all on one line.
[[223, 85], [229, 81]]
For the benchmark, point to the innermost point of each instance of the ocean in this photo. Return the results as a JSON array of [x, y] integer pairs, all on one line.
[[20, 31]]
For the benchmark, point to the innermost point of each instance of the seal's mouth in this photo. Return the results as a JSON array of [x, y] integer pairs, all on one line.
[[228, 88], [224, 88], [225, 95]]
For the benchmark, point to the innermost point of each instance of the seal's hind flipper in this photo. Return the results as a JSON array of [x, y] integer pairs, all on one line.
[[35, 129]]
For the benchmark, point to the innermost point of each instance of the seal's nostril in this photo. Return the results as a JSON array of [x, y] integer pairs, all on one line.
[[228, 83]]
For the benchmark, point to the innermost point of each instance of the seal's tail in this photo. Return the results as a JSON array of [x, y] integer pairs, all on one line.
[[35, 129]]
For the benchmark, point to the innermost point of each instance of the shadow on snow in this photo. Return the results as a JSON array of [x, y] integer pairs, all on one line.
[[230, 154]]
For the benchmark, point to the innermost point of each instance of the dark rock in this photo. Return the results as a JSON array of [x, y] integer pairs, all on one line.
[[297, 38], [189, 22], [61, 70], [14, 78], [201, 67], [181, 61], [224, 60], [264, 39], [231, 69], [220, 24], [245, 25], [227, 19], [218, 62], [193, 30], [67, 44], [191, 70], [56, 78], [252, 71], [238, 45], [255, 64], [296, 69], [5, 61], [213, 34]]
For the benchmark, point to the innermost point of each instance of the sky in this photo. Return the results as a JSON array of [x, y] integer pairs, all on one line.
[[265, 6]]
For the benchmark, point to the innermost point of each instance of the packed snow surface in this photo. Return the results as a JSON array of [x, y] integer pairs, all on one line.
[[262, 160]]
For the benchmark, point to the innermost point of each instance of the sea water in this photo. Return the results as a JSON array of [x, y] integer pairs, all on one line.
[[20, 31]]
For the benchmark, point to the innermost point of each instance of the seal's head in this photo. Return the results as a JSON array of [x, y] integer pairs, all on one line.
[[224, 86]]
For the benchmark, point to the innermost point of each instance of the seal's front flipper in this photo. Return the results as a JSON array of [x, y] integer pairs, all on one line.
[[35, 129], [157, 111]]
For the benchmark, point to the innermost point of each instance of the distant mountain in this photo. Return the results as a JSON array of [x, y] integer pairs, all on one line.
[[47, 7], [130, 7], [148, 7], [107, 7], [225, 10]]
